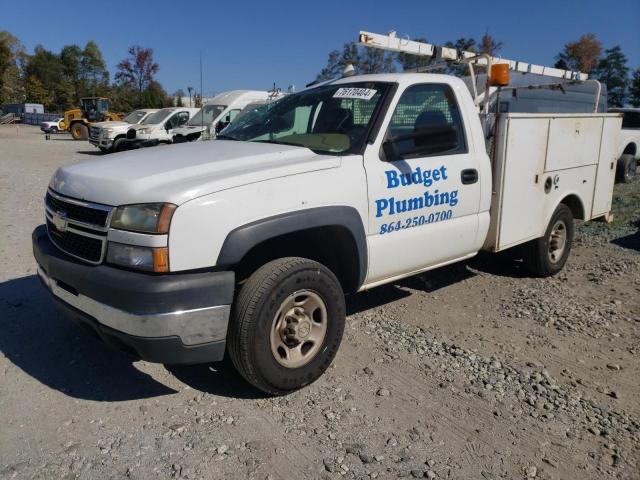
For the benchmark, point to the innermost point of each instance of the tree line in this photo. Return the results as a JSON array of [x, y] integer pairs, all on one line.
[[609, 66], [58, 80]]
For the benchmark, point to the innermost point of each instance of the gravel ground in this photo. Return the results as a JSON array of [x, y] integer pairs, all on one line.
[[474, 371]]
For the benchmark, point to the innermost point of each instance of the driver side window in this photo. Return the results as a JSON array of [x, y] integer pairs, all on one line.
[[427, 121]]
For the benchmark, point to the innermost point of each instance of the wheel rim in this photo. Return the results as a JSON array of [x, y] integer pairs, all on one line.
[[557, 241], [631, 169], [299, 328]]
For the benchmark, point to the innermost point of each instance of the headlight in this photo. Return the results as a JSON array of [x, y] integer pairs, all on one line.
[[107, 131], [144, 131], [142, 258], [144, 218]]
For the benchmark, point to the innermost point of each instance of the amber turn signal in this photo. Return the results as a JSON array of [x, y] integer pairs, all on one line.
[[161, 260]]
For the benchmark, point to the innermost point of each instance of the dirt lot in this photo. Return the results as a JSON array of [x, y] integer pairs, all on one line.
[[473, 371]]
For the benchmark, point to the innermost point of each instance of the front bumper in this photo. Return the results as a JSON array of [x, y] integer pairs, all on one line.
[[173, 319], [102, 142]]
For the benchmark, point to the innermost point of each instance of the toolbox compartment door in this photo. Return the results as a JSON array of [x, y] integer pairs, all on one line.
[[606, 173]]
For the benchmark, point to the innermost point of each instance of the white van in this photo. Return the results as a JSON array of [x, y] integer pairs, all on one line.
[[217, 114], [159, 127]]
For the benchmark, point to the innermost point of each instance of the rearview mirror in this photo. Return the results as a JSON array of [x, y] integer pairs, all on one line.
[[422, 142]]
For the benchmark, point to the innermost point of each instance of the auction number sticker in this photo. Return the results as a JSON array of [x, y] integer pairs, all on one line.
[[355, 93]]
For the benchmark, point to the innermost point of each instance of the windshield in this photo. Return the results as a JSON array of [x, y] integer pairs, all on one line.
[[329, 119], [157, 117], [249, 108], [135, 116], [206, 115]]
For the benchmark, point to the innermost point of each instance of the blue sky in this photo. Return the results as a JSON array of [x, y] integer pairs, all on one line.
[[252, 43]]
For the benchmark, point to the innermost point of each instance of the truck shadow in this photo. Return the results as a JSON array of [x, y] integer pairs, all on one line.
[[36, 338], [90, 152], [630, 242], [48, 347], [503, 265]]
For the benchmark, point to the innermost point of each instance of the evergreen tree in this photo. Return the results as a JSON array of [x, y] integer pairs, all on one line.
[[634, 89], [613, 71], [93, 71]]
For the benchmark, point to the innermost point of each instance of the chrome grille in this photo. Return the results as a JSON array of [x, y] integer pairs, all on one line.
[[94, 133], [77, 227], [74, 211]]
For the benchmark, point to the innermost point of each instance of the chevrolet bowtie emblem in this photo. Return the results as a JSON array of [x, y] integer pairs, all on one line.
[[59, 221]]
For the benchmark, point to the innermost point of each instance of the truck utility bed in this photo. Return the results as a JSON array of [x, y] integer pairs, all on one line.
[[536, 159]]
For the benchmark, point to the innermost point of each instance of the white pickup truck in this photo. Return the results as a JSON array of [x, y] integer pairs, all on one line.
[[249, 243], [112, 136], [629, 146]]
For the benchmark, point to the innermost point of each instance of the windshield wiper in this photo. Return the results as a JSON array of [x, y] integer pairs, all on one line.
[[226, 137], [276, 142]]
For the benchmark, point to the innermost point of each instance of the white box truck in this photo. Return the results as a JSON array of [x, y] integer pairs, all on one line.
[[249, 243]]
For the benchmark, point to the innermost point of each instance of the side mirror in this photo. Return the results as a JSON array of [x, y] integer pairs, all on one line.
[[424, 141]]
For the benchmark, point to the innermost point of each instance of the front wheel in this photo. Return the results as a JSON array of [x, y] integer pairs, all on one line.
[[119, 144], [79, 131], [546, 255], [54, 130], [287, 325]]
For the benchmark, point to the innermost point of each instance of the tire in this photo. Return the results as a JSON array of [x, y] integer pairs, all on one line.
[[79, 131], [119, 145], [626, 168], [276, 343], [545, 256], [53, 130]]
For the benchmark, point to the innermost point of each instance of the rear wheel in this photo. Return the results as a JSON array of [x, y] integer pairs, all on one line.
[[79, 131], [287, 325], [626, 168], [547, 255]]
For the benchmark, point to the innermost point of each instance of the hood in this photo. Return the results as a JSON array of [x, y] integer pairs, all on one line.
[[109, 124], [191, 128], [179, 173]]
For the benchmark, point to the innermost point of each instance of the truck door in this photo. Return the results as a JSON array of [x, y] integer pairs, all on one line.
[[424, 193]]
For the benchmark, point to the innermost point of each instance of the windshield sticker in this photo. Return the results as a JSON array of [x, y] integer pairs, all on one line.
[[355, 93]]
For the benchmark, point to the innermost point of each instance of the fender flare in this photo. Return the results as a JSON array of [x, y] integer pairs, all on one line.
[[242, 239]]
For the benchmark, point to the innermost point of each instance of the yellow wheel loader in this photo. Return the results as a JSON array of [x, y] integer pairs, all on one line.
[[92, 110]]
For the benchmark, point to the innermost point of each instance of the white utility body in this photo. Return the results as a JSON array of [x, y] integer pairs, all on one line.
[[249, 243]]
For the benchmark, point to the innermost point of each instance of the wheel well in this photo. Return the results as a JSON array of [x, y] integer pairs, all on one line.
[[333, 246], [630, 149], [575, 205]]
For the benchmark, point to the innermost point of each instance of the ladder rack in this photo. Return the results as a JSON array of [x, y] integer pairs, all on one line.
[[393, 43]]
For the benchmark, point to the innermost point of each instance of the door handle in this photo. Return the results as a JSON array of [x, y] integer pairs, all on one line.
[[469, 176]]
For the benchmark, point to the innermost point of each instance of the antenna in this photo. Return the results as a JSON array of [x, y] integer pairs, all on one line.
[[201, 96]]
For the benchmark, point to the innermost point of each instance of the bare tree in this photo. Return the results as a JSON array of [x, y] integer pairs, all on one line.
[[138, 69]]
